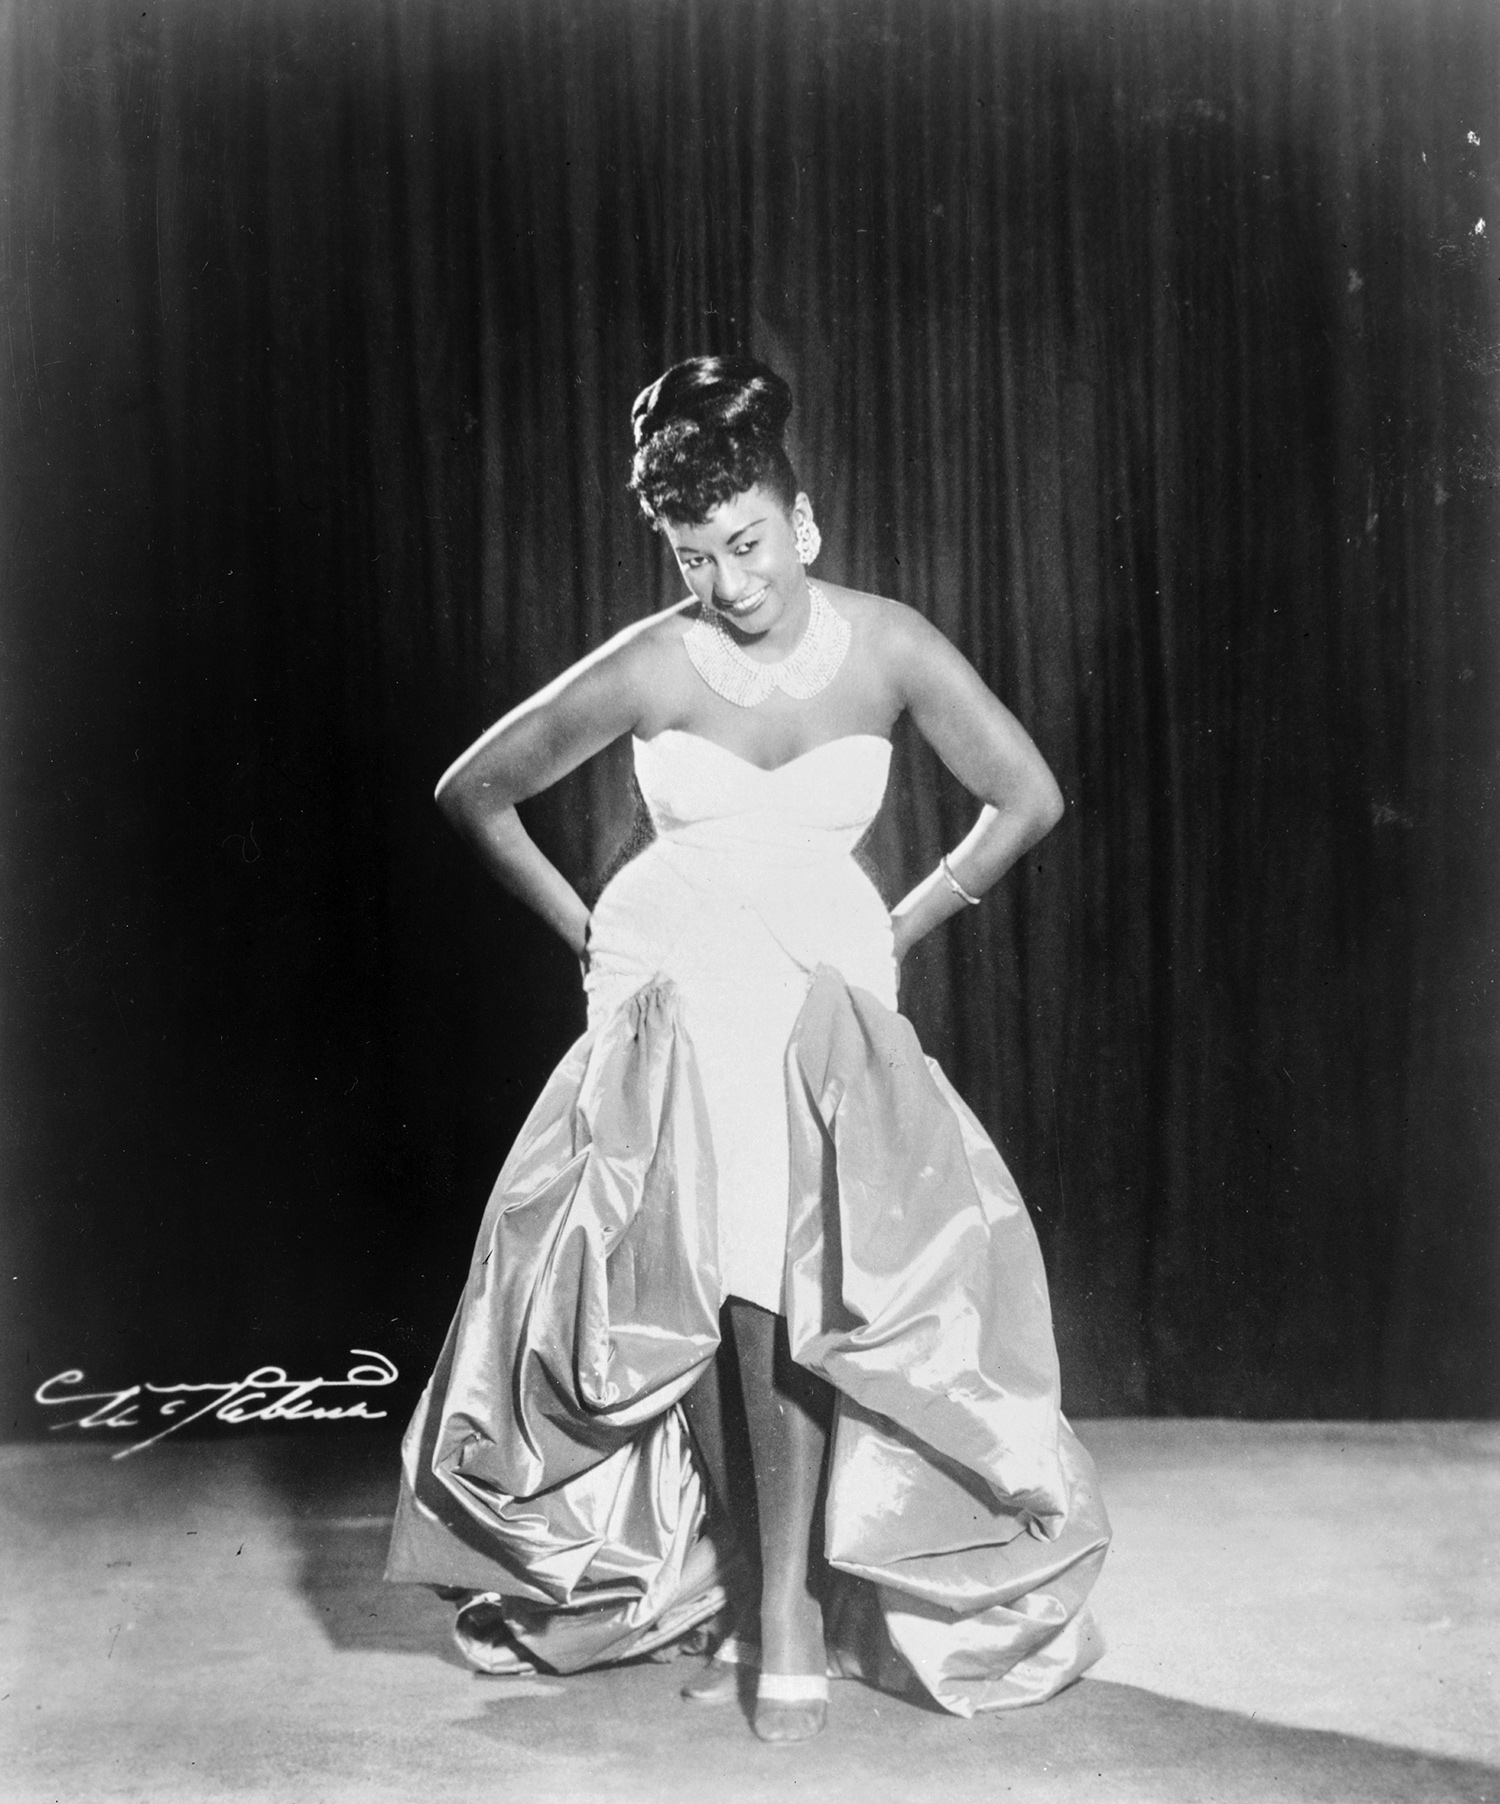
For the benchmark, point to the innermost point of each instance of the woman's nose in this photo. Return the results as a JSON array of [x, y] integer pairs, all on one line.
[[729, 583]]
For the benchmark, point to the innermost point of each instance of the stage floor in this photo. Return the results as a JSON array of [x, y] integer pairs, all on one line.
[[1293, 1611]]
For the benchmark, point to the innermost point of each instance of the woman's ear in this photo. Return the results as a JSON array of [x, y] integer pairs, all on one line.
[[805, 530]]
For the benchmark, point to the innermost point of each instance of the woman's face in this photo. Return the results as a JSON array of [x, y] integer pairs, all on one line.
[[742, 560]]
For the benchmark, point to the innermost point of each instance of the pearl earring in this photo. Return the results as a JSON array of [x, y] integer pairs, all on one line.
[[809, 541]]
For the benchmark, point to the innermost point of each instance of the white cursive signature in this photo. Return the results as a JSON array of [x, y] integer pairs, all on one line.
[[264, 1395]]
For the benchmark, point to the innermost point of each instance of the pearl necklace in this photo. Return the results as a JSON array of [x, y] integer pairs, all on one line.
[[810, 667]]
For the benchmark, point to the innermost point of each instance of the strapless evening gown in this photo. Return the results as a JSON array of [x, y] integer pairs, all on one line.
[[748, 1115]]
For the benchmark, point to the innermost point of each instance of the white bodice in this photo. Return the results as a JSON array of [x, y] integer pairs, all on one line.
[[751, 870], [704, 797]]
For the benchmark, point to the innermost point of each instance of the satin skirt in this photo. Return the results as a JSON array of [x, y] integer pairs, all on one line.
[[548, 1465]]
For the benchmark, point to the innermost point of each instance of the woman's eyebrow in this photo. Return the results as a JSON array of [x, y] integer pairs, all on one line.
[[738, 533]]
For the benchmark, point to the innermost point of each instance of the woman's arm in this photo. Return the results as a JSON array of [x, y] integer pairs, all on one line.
[[990, 753], [557, 729]]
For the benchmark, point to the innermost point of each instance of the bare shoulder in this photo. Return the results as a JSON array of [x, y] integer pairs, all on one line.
[[643, 642], [855, 605], [878, 618], [896, 638], [628, 661]]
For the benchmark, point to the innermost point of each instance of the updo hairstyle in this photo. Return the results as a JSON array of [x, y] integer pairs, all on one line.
[[707, 430]]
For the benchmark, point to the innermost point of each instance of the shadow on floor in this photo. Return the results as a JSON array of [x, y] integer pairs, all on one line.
[[624, 1734], [339, 1499]]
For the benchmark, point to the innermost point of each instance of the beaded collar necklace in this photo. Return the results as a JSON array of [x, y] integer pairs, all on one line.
[[811, 666]]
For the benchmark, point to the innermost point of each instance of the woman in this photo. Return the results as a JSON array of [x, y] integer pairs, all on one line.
[[748, 1147]]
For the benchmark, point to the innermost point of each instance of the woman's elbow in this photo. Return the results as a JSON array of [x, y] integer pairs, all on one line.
[[1048, 805], [445, 795], [455, 796]]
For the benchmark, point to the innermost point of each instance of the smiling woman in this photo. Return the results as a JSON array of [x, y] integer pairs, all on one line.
[[742, 565], [749, 1151]]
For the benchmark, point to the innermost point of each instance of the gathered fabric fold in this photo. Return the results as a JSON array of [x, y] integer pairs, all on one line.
[[915, 1286], [548, 1466], [546, 1461]]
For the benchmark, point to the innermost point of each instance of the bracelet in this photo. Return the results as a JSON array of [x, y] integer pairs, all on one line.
[[954, 884]]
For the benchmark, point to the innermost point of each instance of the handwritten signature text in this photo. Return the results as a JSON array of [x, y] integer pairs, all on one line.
[[264, 1395]]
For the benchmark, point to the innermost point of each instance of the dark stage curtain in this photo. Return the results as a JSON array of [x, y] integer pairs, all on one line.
[[1151, 350]]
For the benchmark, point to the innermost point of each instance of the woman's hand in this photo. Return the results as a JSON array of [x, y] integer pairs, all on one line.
[[902, 941], [537, 743], [987, 749]]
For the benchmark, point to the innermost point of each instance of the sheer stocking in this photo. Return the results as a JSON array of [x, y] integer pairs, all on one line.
[[716, 1421], [787, 1410]]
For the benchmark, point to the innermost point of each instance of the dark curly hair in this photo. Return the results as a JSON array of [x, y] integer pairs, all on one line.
[[707, 430]]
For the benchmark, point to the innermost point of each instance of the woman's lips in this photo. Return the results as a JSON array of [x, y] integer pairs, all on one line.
[[746, 605]]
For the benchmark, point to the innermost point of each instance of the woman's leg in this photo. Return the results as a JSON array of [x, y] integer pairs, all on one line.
[[704, 1408], [716, 1420], [787, 1409]]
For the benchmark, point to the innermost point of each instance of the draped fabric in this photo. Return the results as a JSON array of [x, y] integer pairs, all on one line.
[[915, 1287], [1149, 350]]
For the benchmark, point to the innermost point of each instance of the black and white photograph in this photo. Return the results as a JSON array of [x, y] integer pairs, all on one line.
[[750, 899]]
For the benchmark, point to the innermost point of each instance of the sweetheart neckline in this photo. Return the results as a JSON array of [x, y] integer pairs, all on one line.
[[766, 770]]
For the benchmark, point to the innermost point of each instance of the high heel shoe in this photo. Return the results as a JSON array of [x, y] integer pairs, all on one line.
[[790, 1706], [720, 1679]]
